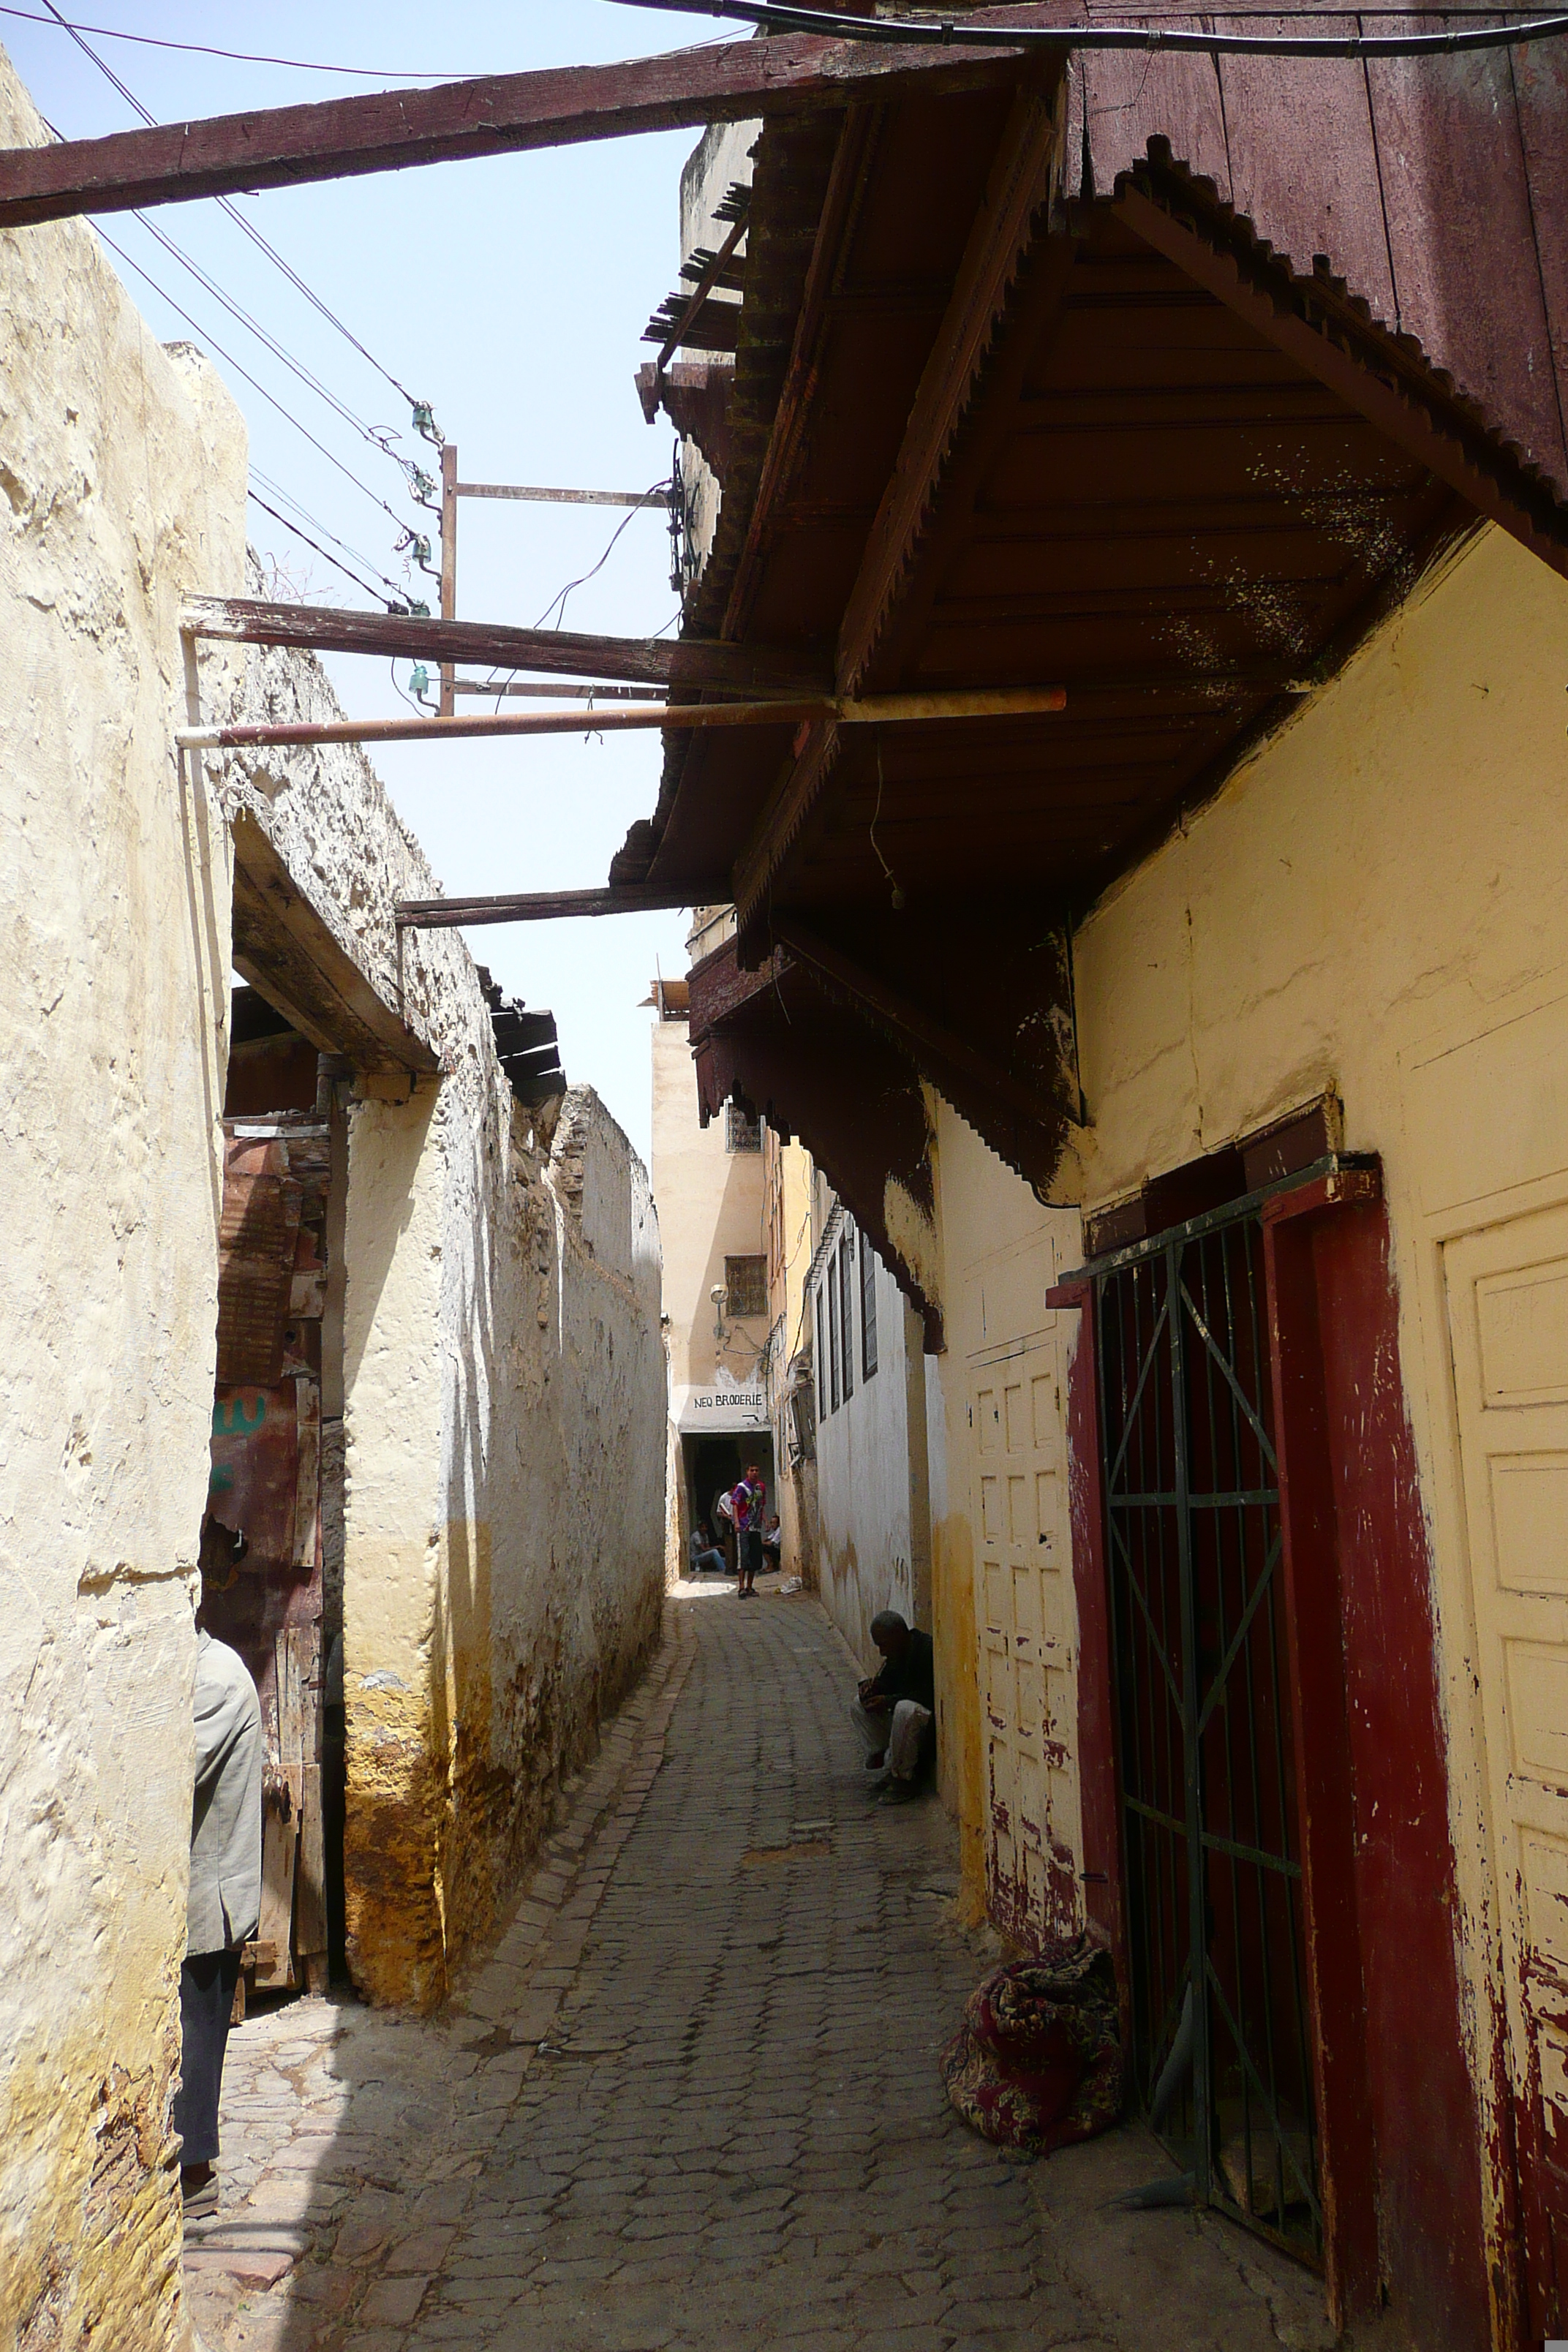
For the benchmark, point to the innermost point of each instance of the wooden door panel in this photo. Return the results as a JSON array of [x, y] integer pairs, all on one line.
[[1507, 1293]]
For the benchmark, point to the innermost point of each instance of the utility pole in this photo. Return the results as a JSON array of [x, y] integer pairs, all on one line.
[[448, 564]]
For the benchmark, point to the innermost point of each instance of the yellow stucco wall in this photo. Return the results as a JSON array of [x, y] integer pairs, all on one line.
[[1376, 905], [999, 1253]]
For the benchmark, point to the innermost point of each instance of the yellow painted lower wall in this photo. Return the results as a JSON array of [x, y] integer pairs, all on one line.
[[505, 1410], [1376, 905]]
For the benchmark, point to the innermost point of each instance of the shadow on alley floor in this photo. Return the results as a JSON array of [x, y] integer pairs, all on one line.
[[693, 2100]]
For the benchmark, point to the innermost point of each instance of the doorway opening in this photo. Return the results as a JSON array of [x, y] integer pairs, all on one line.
[[712, 1464], [1222, 2051], [276, 1474]]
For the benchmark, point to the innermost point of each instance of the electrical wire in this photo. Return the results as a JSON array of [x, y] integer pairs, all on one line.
[[256, 384], [277, 490], [321, 551], [227, 206], [956, 33], [557, 605], [263, 335], [238, 56]]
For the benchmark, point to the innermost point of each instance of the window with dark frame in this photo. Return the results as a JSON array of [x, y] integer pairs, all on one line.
[[741, 1131], [832, 1338], [746, 1280], [868, 1309], [823, 1408], [847, 1310]]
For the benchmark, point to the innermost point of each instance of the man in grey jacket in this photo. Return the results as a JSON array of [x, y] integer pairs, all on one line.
[[225, 1904]]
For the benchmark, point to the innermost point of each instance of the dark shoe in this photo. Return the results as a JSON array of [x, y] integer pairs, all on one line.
[[899, 1792], [875, 1763], [198, 2197]]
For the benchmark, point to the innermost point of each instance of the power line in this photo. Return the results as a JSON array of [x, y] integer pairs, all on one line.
[[256, 384], [235, 215], [263, 335], [358, 553], [238, 56], [557, 605], [1061, 39], [374, 593]]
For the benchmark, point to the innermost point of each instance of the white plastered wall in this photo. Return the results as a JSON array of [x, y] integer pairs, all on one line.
[[122, 490], [867, 1528]]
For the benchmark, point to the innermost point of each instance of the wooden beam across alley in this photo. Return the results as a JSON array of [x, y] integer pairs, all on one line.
[[343, 138], [564, 652]]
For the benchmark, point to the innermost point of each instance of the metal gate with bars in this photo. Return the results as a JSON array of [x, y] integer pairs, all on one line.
[[1221, 2052]]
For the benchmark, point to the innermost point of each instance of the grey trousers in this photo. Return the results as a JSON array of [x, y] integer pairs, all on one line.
[[901, 1733]]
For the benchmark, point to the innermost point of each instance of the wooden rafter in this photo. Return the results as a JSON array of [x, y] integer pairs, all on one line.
[[1018, 184], [1393, 390], [343, 138], [936, 1049]]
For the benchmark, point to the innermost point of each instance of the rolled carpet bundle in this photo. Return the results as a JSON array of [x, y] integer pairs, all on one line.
[[1036, 2062]]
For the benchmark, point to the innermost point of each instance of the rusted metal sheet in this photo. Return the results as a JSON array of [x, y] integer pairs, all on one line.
[[1419, 181], [257, 1236], [1321, 179], [254, 1476], [1461, 236]]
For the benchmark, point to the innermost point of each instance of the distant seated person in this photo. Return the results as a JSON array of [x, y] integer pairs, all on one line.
[[772, 1544], [895, 1712], [707, 1560]]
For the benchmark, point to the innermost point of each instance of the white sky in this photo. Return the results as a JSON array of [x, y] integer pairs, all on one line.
[[509, 293]]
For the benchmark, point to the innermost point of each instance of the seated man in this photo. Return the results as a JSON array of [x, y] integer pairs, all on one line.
[[707, 1560], [895, 1712], [773, 1543]]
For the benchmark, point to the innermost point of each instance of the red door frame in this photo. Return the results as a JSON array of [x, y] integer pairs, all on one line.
[[1399, 2121]]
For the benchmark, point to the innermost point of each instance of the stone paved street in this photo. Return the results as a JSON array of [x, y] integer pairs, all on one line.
[[693, 2100]]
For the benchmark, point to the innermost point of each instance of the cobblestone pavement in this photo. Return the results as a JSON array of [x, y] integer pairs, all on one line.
[[693, 2100]]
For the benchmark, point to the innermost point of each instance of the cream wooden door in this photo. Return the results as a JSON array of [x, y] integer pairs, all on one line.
[[1026, 1627], [1507, 1304]]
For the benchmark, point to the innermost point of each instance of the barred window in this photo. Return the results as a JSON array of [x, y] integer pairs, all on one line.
[[746, 1280], [833, 1356], [867, 1308], [847, 1310], [741, 1131]]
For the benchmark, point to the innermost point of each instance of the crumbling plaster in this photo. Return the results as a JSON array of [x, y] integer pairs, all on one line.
[[122, 490]]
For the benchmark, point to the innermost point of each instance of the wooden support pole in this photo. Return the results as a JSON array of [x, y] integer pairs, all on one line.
[[876, 710], [542, 497], [561, 653], [448, 560], [341, 138]]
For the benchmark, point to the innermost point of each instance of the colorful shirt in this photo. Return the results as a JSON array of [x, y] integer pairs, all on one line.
[[747, 1502]]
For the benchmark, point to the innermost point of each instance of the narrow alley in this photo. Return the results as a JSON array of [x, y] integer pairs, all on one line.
[[694, 2100]]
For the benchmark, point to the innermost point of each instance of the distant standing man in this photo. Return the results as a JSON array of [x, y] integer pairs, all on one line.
[[748, 1501], [895, 1710], [224, 1902]]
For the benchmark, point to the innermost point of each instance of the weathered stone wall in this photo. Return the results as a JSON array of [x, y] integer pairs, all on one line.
[[504, 1399], [122, 490]]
